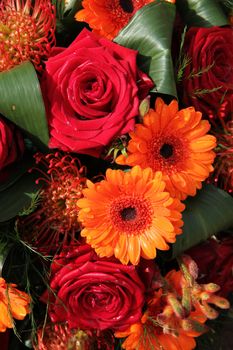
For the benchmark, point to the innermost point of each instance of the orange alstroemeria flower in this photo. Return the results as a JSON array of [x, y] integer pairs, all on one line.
[[175, 143], [145, 335], [13, 304]]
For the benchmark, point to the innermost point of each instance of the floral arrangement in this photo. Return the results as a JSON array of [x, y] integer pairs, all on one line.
[[116, 174]]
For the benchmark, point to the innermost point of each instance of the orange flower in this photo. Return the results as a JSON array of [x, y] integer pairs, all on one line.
[[129, 214], [108, 17], [148, 335], [175, 314], [165, 325], [13, 304], [174, 142]]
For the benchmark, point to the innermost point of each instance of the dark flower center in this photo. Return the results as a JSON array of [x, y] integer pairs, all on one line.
[[128, 214], [166, 151], [127, 5]]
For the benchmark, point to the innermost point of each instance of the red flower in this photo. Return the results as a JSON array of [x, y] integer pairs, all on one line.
[[215, 262], [208, 78], [27, 32], [222, 176], [55, 221], [91, 91], [60, 337], [11, 144], [94, 293]]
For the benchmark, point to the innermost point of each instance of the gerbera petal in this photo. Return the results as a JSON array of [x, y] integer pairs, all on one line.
[[163, 224], [199, 171], [203, 144], [157, 239], [148, 249], [121, 249]]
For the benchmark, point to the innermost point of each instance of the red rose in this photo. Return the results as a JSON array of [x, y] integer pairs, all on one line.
[[11, 144], [94, 293], [208, 78], [91, 93]]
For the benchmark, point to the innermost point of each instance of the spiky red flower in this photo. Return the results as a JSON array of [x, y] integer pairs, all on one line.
[[27, 32], [223, 169], [60, 337], [56, 219]]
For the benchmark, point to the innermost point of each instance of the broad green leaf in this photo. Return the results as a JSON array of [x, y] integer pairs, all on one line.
[[14, 171], [14, 194], [21, 101], [202, 13], [206, 214], [150, 32]]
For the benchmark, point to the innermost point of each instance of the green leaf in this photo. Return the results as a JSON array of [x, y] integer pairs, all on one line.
[[150, 32], [201, 13], [206, 214], [14, 193], [15, 198], [21, 101], [67, 8], [67, 28], [14, 171]]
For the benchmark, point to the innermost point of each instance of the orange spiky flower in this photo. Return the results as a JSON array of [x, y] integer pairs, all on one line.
[[176, 143], [56, 219], [13, 304], [129, 215], [108, 17], [27, 32]]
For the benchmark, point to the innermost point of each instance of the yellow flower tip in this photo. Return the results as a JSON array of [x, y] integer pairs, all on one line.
[[129, 215]]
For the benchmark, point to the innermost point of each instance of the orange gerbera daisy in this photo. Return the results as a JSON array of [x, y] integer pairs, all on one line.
[[108, 17], [174, 142], [13, 304], [129, 215]]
